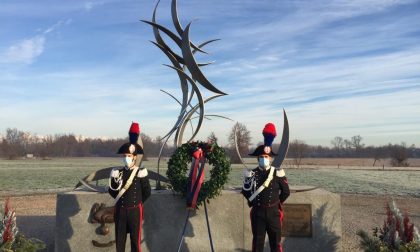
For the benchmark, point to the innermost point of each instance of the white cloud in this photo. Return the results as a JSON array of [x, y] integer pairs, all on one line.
[[58, 25], [344, 8], [91, 4], [88, 6], [25, 51]]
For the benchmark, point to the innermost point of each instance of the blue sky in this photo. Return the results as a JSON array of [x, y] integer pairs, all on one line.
[[339, 68]]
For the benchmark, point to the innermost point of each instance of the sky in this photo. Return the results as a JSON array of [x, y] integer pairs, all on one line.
[[338, 68]]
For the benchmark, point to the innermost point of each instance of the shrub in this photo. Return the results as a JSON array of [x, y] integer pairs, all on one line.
[[397, 234], [10, 238]]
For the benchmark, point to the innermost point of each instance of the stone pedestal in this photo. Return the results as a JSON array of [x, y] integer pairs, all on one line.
[[326, 222], [165, 214]]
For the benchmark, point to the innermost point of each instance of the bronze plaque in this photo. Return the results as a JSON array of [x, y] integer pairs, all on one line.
[[297, 221]]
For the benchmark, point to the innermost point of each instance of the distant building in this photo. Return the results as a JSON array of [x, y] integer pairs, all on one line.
[[29, 155]]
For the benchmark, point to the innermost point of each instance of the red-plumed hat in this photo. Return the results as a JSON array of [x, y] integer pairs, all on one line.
[[132, 147], [134, 133], [269, 133]]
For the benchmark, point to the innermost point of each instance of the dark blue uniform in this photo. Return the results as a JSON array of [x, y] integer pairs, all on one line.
[[266, 213], [128, 214]]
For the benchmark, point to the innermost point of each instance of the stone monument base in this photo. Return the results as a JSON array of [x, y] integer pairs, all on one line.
[[165, 214]]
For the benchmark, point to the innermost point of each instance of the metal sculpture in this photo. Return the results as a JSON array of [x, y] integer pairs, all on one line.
[[189, 74], [190, 77], [284, 145], [104, 174]]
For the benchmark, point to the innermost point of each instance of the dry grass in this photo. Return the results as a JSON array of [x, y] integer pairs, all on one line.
[[334, 162], [364, 162]]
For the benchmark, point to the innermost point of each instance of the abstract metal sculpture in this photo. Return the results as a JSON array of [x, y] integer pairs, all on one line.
[[189, 74], [190, 77], [284, 145]]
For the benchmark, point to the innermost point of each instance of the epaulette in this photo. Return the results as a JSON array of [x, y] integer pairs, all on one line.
[[142, 173], [280, 172]]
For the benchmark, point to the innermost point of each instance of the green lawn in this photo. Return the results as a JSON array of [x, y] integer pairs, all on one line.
[[35, 176]]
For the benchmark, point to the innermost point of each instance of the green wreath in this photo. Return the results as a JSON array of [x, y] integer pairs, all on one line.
[[178, 168]]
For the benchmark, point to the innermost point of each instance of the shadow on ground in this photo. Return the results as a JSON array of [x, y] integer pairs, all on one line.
[[40, 227]]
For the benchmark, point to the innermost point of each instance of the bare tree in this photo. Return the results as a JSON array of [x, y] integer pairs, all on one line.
[[337, 142], [148, 146], [399, 154], [46, 147], [376, 157], [3, 145], [357, 142], [298, 149], [13, 143], [243, 138], [347, 144], [212, 138]]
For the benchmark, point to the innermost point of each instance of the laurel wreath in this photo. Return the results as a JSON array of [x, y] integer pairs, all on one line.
[[178, 167]]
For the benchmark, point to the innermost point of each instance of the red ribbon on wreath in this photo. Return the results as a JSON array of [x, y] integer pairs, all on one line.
[[196, 176]]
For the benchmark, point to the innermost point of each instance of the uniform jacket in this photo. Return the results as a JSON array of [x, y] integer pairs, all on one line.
[[137, 193], [277, 191]]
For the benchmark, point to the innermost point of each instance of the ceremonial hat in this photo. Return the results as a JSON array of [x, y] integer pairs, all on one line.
[[132, 147], [269, 133]]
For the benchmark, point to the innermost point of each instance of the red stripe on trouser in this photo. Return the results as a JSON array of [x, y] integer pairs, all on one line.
[[141, 222], [281, 222]]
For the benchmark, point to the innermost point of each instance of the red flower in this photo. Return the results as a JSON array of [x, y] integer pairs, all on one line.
[[408, 229], [6, 207], [7, 234]]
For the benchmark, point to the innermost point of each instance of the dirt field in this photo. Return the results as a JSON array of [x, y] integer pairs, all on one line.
[[36, 215]]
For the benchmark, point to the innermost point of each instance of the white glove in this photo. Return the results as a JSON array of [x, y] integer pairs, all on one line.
[[248, 173], [115, 173]]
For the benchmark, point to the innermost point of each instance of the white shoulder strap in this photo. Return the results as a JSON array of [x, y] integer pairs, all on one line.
[[264, 185], [127, 185]]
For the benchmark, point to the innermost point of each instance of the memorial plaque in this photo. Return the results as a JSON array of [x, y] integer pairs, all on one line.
[[297, 221]]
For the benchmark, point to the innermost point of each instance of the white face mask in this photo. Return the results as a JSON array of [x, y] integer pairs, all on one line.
[[264, 162], [128, 161]]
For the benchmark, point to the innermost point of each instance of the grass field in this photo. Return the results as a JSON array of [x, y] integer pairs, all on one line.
[[40, 176]]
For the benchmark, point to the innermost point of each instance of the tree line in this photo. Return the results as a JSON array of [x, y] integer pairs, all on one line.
[[354, 148], [15, 144]]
